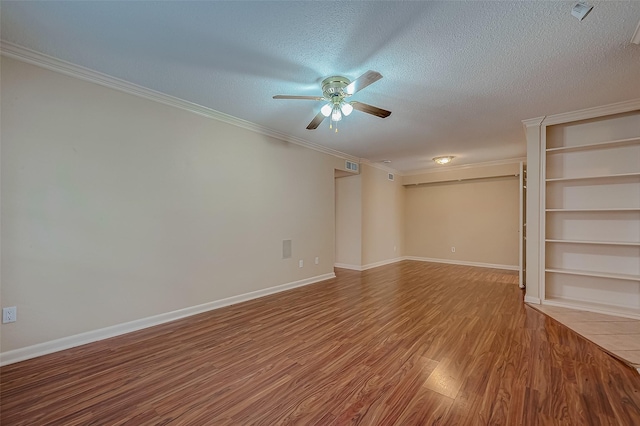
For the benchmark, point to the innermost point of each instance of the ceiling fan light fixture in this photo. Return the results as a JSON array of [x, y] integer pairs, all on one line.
[[444, 160], [346, 109], [335, 91]]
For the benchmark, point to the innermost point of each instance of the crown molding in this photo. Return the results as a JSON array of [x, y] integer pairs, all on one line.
[[32, 57], [466, 166], [587, 113], [533, 122], [635, 38]]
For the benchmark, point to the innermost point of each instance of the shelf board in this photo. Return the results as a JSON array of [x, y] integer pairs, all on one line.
[[627, 277], [616, 209], [604, 243], [619, 175], [600, 145], [602, 308]]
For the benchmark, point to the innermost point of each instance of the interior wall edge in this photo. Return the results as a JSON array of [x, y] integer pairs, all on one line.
[[33, 351]]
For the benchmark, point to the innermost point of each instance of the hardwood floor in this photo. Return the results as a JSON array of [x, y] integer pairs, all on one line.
[[411, 343], [618, 336]]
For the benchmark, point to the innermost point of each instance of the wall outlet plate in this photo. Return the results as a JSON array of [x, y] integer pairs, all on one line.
[[9, 314]]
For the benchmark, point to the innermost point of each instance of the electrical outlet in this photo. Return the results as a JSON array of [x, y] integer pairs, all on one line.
[[453, 249], [9, 314], [395, 248], [300, 263], [317, 260]]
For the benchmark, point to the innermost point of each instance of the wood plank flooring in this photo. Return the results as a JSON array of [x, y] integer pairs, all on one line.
[[410, 343], [619, 336]]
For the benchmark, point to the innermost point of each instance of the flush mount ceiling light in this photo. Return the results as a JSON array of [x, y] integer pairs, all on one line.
[[444, 160]]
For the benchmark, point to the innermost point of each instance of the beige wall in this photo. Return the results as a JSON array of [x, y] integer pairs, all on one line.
[[477, 217], [382, 216], [116, 208], [349, 221], [369, 218]]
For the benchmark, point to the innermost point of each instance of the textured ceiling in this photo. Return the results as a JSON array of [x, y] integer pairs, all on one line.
[[458, 76]]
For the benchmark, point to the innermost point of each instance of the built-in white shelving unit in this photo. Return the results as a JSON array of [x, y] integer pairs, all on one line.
[[588, 208]]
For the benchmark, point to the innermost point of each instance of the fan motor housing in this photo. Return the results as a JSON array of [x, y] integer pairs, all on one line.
[[333, 87]]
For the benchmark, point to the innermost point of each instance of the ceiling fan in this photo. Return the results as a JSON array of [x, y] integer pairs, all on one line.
[[335, 91]]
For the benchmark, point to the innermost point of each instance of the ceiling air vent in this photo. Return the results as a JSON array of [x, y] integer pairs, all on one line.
[[350, 165], [390, 176]]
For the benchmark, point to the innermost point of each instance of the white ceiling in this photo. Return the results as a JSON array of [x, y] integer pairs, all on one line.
[[458, 76]]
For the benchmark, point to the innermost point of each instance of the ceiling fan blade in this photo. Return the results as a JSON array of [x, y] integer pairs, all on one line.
[[363, 81], [370, 109], [310, 98], [316, 121]]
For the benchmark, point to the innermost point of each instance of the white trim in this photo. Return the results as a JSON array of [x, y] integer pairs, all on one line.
[[531, 299], [464, 263], [577, 306], [533, 122], [587, 113], [44, 61], [45, 348], [635, 38], [369, 265], [348, 266], [521, 230], [465, 166], [542, 217], [382, 263]]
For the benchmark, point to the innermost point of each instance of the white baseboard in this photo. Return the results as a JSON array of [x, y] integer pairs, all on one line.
[[464, 263], [348, 266], [45, 348], [425, 259], [368, 265], [382, 263], [531, 299]]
